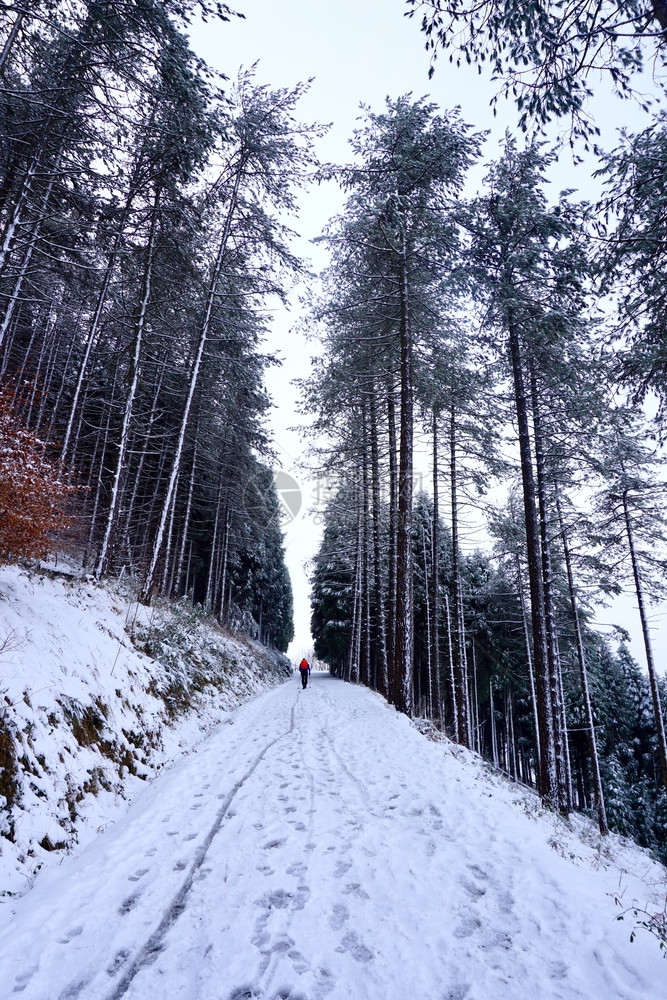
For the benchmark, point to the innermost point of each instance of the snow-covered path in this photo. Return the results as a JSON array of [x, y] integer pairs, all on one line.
[[318, 846]]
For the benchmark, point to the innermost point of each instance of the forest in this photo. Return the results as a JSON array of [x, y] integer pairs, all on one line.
[[504, 349], [140, 209]]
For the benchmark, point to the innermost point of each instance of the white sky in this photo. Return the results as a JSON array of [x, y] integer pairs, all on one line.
[[360, 51]]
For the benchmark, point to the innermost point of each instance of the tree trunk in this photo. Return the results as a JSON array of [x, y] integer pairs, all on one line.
[[9, 44], [529, 658], [380, 622], [553, 658], [186, 520], [547, 776], [91, 336], [585, 689], [208, 597], [492, 713], [147, 589], [429, 640], [477, 734], [27, 254], [393, 517], [452, 673], [366, 667], [355, 642], [458, 645], [653, 677], [133, 381], [404, 632], [435, 563]]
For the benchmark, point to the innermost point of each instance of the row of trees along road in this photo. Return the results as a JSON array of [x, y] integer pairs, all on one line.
[[139, 237], [474, 323], [140, 233]]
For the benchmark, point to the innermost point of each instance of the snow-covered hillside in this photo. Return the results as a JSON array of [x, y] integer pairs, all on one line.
[[98, 694], [321, 847]]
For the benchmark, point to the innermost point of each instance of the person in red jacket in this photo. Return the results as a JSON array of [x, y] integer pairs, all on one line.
[[304, 670]]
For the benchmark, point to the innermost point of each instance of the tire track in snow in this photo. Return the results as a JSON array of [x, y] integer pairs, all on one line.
[[151, 949]]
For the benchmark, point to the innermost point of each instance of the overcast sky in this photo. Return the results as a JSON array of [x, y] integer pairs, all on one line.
[[359, 52]]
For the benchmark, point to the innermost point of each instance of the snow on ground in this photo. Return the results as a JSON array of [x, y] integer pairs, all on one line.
[[97, 694], [318, 846]]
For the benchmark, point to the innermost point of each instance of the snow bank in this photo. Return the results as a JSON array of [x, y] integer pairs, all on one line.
[[98, 694]]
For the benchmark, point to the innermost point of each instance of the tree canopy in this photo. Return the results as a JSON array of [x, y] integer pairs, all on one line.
[[544, 54]]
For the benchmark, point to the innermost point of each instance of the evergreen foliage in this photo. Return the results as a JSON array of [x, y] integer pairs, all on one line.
[[139, 230], [508, 372], [545, 52]]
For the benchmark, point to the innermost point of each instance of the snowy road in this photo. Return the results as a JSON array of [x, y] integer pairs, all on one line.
[[318, 846]]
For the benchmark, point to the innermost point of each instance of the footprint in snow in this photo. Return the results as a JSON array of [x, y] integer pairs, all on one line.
[[354, 889], [282, 946], [474, 891], [278, 900], [457, 992], [502, 940], [119, 961], [467, 927], [73, 991], [272, 844], [339, 916], [24, 978], [302, 897], [67, 937], [128, 904], [298, 961], [140, 872], [558, 970], [505, 901], [356, 948], [342, 867]]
